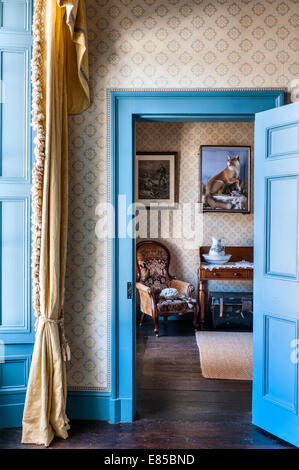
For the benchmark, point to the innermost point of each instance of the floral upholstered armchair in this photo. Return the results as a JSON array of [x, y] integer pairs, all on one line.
[[152, 263]]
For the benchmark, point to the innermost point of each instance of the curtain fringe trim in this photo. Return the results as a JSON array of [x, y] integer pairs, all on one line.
[[38, 124]]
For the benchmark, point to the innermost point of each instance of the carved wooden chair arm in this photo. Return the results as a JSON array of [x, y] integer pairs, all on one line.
[[182, 287]]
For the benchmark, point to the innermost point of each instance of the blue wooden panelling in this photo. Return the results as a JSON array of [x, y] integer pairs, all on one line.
[[280, 374], [16, 318], [283, 140], [276, 289], [14, 64], [14, 373], [15, 310], [126, 108], [282, 211], [15, 15]]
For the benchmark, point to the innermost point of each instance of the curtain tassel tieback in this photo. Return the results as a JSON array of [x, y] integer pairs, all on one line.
[[65, 347], [66, 351]]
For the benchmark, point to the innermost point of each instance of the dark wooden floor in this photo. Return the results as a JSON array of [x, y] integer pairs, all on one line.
[[177, 407]]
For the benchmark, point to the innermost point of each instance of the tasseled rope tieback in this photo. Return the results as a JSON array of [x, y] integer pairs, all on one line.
[[65, 347]]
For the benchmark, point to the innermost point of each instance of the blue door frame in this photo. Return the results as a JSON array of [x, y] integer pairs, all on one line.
[[127, 107]]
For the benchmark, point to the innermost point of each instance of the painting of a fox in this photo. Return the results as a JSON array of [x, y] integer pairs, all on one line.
[[226, 190], [217, 184]]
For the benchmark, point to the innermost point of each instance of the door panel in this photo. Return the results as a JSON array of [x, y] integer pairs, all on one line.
[[276, 288], [14, 231], [16, 319], [14, 373], [14, 66], [15, 15], [282, 207], [283, 140], [280, 373]]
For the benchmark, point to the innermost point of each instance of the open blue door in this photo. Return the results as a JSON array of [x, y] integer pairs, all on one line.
[[276, 278], [16, 320]]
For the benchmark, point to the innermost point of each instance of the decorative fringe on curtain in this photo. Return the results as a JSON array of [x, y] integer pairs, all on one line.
[[38, 124]]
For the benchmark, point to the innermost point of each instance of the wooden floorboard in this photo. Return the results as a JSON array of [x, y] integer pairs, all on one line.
[[176, 407], [172, 362], [154, 434]]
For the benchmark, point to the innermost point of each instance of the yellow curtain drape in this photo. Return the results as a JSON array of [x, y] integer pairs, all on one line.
[[60, 86]]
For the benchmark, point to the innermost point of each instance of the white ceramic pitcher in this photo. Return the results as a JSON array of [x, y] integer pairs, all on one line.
[[216, 247]]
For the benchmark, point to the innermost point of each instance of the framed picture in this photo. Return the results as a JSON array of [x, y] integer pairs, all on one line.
[[225, 178], [156, 178]]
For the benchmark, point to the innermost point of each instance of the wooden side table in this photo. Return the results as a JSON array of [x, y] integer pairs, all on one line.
[[223, 273]]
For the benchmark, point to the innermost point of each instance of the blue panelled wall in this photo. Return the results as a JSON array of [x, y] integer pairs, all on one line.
[[16, 320]]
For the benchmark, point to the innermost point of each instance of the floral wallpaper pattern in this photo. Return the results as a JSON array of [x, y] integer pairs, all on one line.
[[154, 44]]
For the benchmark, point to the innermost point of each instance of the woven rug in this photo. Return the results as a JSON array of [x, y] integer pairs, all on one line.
[[225, 355]]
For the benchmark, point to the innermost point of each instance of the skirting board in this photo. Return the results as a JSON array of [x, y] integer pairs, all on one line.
[[80, 405], [97, 407]]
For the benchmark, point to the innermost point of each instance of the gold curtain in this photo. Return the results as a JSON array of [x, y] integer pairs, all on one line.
[[60, 86]]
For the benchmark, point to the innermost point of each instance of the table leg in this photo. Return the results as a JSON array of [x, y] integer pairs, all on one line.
[[201, 300]]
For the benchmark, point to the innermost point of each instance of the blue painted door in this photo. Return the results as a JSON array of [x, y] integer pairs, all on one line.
[[276, 279], [16, 322]]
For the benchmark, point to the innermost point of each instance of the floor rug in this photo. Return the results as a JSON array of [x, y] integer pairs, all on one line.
[[225, 355]]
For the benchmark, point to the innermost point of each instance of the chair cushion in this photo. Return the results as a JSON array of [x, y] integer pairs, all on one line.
[[173, 305]]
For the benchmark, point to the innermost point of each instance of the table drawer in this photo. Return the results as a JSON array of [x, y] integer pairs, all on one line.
[[227, 274]]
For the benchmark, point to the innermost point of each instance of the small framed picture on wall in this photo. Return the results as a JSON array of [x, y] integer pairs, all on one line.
[[225, 180], [156, 178]]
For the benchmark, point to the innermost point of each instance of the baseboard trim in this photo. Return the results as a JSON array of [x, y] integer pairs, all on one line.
[[99, 407]]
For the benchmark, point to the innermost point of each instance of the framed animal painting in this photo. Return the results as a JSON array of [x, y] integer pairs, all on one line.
[[156, 178], [225, 178]]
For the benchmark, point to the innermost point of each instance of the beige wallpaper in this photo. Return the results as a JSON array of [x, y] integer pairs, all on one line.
[[154, 44]]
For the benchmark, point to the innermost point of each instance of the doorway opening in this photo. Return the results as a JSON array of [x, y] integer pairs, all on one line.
[[126, 108], [170, 382]]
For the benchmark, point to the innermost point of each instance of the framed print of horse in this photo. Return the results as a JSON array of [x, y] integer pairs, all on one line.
[[156, 180], [225, 178]]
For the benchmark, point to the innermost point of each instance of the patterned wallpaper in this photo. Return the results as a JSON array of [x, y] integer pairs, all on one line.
[[154, 44], [185, 138]]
